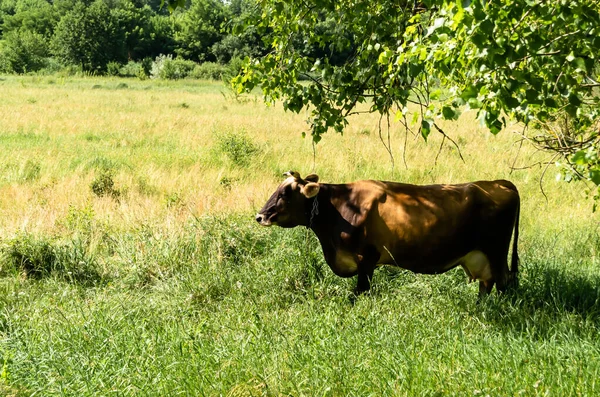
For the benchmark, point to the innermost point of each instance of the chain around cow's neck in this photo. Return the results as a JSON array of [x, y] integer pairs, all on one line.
[[314, 212]]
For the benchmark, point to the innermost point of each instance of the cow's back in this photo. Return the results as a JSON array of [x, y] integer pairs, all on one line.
[[434, 224]]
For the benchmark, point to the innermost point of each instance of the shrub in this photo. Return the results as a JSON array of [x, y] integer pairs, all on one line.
[[104, 184], [71, 70], [51, 66], [144, 187], [238, 147], [146, 65], [235, 66], [173, 200], [86, 35], [30, 171], [131, 69], [40, 257], [165, 67], [112, 68], [35, 257], [80, 220], [23, 51], [209, 71]]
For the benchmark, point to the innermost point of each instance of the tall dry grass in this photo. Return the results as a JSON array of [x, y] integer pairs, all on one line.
[[189, 148]]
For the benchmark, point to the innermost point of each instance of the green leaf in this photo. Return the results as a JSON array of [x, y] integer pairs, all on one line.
[[469, 92], [550, 102], [511, 102], [492, 122], [415, 118], [487, 26], [532, 96], [474, 103], [580, 65], [449, 113], [579, 158], [594, 175], [425, 129], [574, 100]]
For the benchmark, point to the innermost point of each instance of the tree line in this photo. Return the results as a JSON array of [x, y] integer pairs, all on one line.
[[104, 36]]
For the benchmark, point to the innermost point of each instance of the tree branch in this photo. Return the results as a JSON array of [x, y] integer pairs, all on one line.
[[450, 139]]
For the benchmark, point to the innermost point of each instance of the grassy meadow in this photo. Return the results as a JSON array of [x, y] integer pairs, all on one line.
[[131, 264]]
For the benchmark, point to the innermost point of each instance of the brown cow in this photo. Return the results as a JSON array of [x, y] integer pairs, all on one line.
[[426, 229]]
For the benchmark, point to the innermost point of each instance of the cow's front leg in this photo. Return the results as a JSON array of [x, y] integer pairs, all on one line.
[[363, 283], [366, 265]]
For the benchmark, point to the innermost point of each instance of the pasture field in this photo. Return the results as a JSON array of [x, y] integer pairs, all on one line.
[[131, 264]]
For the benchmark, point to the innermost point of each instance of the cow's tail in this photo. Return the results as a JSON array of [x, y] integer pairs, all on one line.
[[514, 263]]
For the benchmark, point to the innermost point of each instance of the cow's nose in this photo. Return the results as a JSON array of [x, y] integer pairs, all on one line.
[[259, 218]]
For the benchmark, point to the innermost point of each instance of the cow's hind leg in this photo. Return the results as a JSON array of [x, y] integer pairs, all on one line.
[[499, 267], [485, 287], [501, 274]]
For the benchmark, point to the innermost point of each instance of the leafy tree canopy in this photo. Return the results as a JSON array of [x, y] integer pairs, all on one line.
[[199, 28], [535, 61], [88, 35]]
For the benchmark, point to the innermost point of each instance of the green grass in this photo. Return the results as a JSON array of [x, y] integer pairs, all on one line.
[[170, 288]]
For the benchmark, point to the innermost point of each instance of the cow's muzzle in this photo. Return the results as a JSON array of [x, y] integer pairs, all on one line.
[[262, 219]]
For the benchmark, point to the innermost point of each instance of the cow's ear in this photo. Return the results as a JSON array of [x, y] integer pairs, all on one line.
[[310, 189], [312, 178], [291, 173]]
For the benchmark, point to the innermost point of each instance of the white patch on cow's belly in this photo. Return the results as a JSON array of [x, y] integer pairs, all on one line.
[[345, 264], [477, 266]]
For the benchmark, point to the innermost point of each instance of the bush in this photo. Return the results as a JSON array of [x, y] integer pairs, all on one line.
[[51, 66], [235, 66], [112, 68], [104, 184], [238, 147], [165, 67], [146, 65], [39, 257], [86, 35], [209, 71], [23, 51], [71, 70], [30, 171], [131, 69]]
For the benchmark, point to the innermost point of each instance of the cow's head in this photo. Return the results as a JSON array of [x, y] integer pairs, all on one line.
[[288, 206]]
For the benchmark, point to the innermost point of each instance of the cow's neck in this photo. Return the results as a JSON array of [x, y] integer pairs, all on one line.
[[326, 219], [313, 208]]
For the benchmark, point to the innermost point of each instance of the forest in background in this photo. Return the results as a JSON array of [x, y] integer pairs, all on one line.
[[129, 38]]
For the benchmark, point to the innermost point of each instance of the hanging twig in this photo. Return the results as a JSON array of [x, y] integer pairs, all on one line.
[[387, 147], [405, 141], [450, 139], [314, 148], [544, 173], [518, 151], [439, 150], [527, 167]]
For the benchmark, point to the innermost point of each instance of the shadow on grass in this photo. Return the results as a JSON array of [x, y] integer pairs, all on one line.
[[549, 297], [39, 258]]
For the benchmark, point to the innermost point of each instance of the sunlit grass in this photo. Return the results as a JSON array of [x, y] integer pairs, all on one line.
[[55, 137], [131, 263]]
